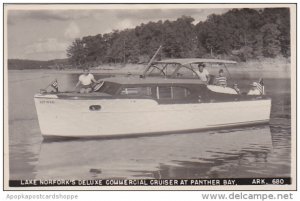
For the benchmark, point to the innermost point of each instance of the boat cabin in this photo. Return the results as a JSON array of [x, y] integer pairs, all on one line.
[[164, 91]]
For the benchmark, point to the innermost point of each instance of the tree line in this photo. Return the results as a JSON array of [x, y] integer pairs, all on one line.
[[239, 34]]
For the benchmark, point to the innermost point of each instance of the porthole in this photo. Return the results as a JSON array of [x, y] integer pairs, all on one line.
[[95, 107]]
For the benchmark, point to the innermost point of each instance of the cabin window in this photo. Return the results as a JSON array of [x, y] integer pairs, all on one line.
[[143, 91], [180, 92], [164, 93], [172, 93]]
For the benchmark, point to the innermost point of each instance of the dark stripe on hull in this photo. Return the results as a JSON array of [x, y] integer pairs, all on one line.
[[56, 138]]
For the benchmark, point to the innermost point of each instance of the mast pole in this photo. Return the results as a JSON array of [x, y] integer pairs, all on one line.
[[151, 60]]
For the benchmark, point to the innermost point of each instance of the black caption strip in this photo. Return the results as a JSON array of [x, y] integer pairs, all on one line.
[[151, 182]]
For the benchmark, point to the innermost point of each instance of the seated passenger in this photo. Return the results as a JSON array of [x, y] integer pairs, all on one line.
[[221, 80], [254, 90], [85, 81]]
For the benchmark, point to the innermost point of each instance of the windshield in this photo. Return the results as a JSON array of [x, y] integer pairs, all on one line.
[[109, 88]]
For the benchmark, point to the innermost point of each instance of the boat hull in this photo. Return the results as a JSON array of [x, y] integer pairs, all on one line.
[[130, 117]]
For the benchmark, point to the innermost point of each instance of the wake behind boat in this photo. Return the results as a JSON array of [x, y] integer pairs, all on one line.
[[132, 105]]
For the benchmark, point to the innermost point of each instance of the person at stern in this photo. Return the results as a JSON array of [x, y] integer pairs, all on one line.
[[85, 81]]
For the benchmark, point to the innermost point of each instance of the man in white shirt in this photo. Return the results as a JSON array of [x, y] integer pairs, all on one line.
[[85, 81], [203, 74]]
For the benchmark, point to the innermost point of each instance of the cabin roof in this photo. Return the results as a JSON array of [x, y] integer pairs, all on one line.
[[193, 61], [151, 80]]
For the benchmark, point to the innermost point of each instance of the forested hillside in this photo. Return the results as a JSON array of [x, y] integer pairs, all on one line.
[[239, 34]]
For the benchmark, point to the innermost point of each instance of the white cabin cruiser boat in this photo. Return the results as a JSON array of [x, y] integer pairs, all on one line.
[[129, 106]]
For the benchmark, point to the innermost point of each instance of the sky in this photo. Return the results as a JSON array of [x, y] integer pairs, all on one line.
[[46, 34]]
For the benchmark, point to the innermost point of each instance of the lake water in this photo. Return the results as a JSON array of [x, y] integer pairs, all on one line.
[[259, 151]]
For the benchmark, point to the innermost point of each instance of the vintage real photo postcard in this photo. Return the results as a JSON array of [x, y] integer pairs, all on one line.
[[149, 97]]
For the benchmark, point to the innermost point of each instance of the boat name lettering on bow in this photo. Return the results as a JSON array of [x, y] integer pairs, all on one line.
[[47, 102]]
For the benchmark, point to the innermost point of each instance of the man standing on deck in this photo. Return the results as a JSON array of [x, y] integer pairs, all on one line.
[[203, 74]]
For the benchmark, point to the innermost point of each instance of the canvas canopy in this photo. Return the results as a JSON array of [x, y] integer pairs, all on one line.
[[194, 61]]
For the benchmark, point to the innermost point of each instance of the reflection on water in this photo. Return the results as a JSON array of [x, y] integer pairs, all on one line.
[[169, 156], [262, 151]]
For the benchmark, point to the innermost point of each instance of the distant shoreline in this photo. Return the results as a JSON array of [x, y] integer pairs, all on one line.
[[279, 67], [243, 70], [235, 73]]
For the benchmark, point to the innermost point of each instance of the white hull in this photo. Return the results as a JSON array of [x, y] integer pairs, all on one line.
[[72, 118]]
